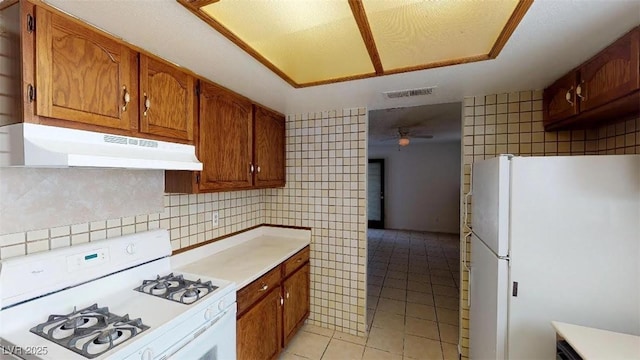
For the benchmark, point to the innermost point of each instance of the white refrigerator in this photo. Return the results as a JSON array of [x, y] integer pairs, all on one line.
[[553, 238]]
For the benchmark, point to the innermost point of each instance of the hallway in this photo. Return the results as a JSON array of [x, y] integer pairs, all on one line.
[[412, 303], [412, 299]]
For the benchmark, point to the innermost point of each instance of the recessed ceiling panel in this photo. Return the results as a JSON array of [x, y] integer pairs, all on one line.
[[414, 33], [309, 41]]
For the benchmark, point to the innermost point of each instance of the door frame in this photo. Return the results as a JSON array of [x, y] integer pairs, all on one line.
[[378, 224]]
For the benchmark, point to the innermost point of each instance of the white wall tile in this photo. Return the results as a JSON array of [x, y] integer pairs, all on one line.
[[37, 235], [12, 239]]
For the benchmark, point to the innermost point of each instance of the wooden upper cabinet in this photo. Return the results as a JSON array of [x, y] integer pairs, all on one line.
[[612, 74], [224, 139], [167, 100], [560, 98], [83, 76], [269, 148], [259, 329], [296, 301], [605, 88], [241, 145]]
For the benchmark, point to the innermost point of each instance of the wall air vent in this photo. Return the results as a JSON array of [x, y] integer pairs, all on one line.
[[408, 92]]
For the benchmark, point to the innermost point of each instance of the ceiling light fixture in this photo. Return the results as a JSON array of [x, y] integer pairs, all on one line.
[[306, 42], [403, 141]]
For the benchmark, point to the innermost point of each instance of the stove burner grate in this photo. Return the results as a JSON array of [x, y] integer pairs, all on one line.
[[177, 288], [89, 332]]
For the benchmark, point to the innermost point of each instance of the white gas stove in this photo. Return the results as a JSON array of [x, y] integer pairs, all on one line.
[[113, 299]]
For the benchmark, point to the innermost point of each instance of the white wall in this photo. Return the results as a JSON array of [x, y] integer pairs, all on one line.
[[422, 186]]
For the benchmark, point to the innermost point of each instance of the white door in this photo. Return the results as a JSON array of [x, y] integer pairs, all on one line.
[[574, 248], [490, 203], [488, 296]]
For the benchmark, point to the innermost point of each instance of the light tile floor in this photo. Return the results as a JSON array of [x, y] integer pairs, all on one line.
[[412, 303]]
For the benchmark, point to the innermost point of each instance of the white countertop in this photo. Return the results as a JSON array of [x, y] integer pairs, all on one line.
[[244, 257], [591, 343]]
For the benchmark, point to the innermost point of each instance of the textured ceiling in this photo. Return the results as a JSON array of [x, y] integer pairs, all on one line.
[[553, 37]]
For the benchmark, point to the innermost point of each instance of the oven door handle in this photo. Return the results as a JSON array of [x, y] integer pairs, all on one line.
[[195, 337]]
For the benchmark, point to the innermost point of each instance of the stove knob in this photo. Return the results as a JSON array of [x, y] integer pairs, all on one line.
[[147, 354], [207, 314], [131, 249], [221, 305]]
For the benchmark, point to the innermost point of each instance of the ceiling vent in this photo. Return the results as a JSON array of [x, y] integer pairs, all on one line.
[[409, 92]]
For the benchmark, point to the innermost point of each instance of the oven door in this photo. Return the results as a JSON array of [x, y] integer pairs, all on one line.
[[217, 342]]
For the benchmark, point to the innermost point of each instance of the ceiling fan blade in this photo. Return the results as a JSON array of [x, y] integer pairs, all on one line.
[[421, 136], [384, 138]]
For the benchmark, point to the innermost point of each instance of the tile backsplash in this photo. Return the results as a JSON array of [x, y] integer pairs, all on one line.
[[187, 217], [512, 123]]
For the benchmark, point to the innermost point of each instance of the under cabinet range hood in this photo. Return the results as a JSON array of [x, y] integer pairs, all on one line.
[[35, 145]]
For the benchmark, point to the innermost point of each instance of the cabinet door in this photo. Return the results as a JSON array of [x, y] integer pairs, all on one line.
[[559, 99], [224, 139], [611, 74], [259, 329], [269, 148], [167, 100], [81, 75], [296, 301]]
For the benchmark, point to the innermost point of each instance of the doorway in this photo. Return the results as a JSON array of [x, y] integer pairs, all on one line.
[[413, 262], [375, 194]]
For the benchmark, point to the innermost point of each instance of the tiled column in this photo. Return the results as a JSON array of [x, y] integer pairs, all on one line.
[[326, 180]]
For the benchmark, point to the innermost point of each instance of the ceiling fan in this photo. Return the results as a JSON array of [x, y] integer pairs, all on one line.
[[405, 135]]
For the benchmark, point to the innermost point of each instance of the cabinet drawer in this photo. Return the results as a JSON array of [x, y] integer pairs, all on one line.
[[257, 289], [296, 261]]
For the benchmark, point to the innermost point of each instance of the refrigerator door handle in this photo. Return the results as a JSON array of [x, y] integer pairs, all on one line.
[[465, 202], [465, 211], [463, 250], [469, 292]]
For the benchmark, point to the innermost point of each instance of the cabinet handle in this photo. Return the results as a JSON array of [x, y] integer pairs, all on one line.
[[147, 104], [258, 169], [299, 260], [264, 287], [281, 301], [287, 294], [251, 168], [583, 98], [126, 97], [568, 96]]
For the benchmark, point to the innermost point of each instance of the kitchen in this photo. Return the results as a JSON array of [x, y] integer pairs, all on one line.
[[95, 207]]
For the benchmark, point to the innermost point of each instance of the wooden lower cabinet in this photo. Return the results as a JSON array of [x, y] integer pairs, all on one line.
[[296, 302], [265, 324], [259, 329]]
